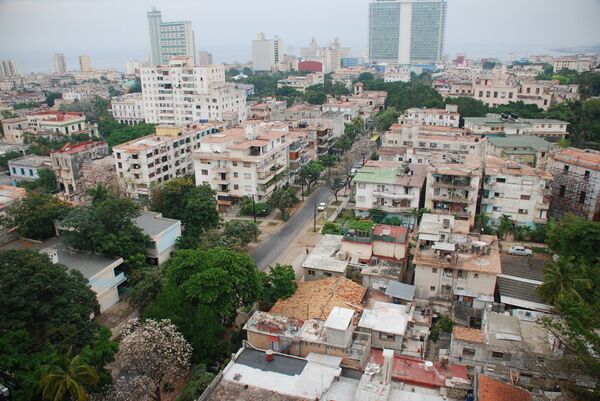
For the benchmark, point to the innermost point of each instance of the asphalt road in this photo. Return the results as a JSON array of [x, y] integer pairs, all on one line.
[[268, 251]]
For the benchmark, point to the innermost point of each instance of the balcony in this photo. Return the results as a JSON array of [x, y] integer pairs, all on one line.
[[451, 198], [458, 213], [264, 178], [445, 183], [393, 195], [221, 169]]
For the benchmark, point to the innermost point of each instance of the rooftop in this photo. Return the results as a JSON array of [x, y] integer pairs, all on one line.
[[398, 233], [270, 324], [31, 161], [78, 147], [316, 299], [386, 317], [153, 224], [339, 319], [468, 335], [10, 194], [521, 141], [582, 157], [325, 255], [396, 289], [497, 166], [489, 389], [58, 115], [391, 173]]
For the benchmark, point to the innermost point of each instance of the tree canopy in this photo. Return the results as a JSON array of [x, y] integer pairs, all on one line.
[[34, 215], [283, 198]]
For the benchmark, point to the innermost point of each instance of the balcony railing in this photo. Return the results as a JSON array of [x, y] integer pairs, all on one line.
[[451, 184], [451, 198]]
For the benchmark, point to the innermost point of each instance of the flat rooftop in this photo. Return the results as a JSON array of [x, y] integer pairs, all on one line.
[[521, 141], [386, 318], [31, 161], [325, 255], [152, 223], [396, 289], [497, 166], [391, 173], [339, 319]]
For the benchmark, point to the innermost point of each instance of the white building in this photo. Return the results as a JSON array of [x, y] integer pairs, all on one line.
[[301, 82], [249, 161], [448, 117], [181, 93], [26, 168], [329, 56], [514, 189], [163, 234], [169, 39], [128, 109], [60, 65], [579, 63], [548, 129], [267, 54], [133, 67], [396, 73], [8, 68], [157, 158], [84, 63]]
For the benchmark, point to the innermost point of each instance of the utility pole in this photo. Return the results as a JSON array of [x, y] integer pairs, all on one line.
[[315, 217], [254, 208]]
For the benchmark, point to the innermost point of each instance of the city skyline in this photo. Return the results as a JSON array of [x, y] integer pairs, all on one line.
[[113, 38]]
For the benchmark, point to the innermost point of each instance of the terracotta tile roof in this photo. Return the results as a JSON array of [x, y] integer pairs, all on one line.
[[316, 299], [469, 335], [493, 390]]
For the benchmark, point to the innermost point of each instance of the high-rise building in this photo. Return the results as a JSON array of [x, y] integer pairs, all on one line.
[[181, 93], [407, 31], [8, 68], [169, 39], [329, 56], [267, 54], [133, 67], [84, 63], [205, 58], [60, 65]]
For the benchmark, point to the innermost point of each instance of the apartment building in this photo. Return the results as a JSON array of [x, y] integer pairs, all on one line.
[[369, 102], [157, 158], [576, 184], [452, 188], [505, 125], [47, 124], [348, 75], [267, 54], [60, 65], [517, 190], [393, 187], [329, 56], [350, 109], [8, 68], [249, 161], [128, 109], [396, 73], [579, 63], [26, 168], [169, 39], [67, 162], [181, 93], [453, 265], [302, 149], [13, 129], [85, 64], [329, 125], [448, 117], [301, 82], [527, 149]]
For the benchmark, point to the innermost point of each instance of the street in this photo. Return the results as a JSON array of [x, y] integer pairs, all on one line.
[[268, 251]]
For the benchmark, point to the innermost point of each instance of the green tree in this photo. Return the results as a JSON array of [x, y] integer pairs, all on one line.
[[468, 107], [51, 98], [335, 180], [365, 77], [279, 283], [99, 353], [562, 278], [8, 156], [385, 119], [199, 380], [47, 180], [67, 377], [146, 285], [283, 198], [117, 133], [243, 231], [34, 215], [315, 94], [310, 173], [328, 160], [505, 226], [519, 108]]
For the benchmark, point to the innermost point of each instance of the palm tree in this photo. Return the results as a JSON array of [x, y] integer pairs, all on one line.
[[560, 278], [66, 378], [505, 226]]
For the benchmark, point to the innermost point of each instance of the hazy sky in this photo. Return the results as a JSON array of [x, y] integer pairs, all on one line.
[[113, 31]]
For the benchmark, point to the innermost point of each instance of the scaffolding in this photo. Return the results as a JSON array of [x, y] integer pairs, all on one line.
[[574, 190]]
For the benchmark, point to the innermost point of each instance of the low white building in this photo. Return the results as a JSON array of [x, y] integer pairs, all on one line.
[[517, 190], [163, 234], [548, 129], [448, 117], [386, 323], [158, 158], [396, 73], [26, 168], [301, 82], [128, 109], [325, 259]]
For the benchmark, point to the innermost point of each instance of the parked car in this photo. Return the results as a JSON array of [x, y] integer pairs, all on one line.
[[520, 251], [322, 206]]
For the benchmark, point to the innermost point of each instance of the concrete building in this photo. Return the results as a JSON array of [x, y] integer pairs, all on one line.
[[84, 63], [370, 102], [302, 150], [504, 125], [527, 149], [133, 67], [517, 190], [267, 54], [387, 324], [452, 189], [329, 56], [180, 93], [392, 187], [508, 346], [382, 245], [351, 110], [158, 158], [60, 65], [128, 109], [67, 162], [576, 184], [26, 168], [301, 82], [57, 123], [205, 58], [248, 161], [326, 259], [13, 129], [518, 282], [407, 31], [102, 273], [453, 265], [448, 117], [8, 68], [163, 234], [579, 63], [9, 195], [396, 73], [169, 39]]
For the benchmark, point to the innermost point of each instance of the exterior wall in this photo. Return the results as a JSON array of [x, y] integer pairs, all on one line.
[[430, 279], [263, 54], [432, 117], [67, 166], [317, 274], [383, 341], [165, 243], [128, 109], [13, 130], [104, 284], [393, 199], [23, 173], [389, 250], [461, 200]]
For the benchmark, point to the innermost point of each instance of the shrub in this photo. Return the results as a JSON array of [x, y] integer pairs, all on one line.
[[332, 228]]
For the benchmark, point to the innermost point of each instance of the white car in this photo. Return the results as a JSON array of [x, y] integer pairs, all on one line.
[[322, 206], [520, 251]]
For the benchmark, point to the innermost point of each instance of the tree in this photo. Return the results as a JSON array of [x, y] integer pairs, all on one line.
[[169, 197], [51, 98], [468, 107], [311, 172], [200, 379], [66, 377], [45, 299], [505, 226], [116, 134], [315, 94], [482, 223], [335, 180], [577, 237], [363, 148], [155, 352], [283, 198], [243, 231], [34, 215], [385, 119], [561, 278], [519, 108], [99, 353], [365, 76], [146, 285], [328, 160], [279, 283], [8, 156]]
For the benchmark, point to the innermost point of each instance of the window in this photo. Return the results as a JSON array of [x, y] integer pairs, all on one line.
[[327, 274], [497, 355], [361, 185], [562, 190], [468, 352], [476, 275], [500, 179], [525, 197], [388, 337], [497, 208], [432, 288], [235, 174], [236, 186], [31, 172], [434, 270], [248, 188], [247, 176], [527, 182], [234, 163], [582, 196], [204, 172], [311, 272], [523, 211], [247, 164], [566, 169], [586, 175], [360, 198]]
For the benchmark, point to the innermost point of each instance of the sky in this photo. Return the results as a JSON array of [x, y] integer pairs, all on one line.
[[114, 31]]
